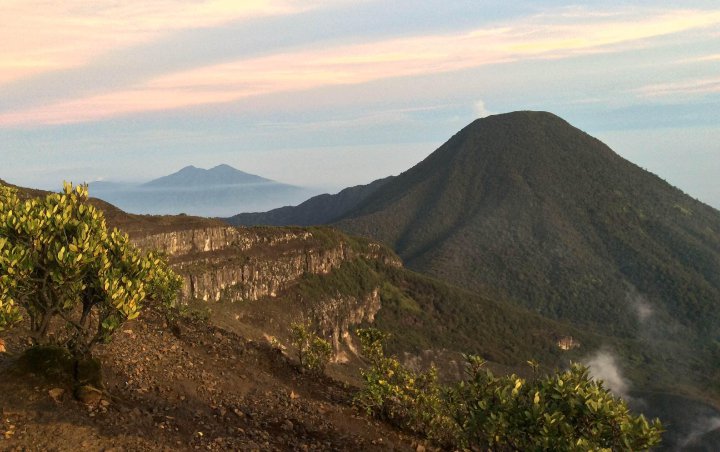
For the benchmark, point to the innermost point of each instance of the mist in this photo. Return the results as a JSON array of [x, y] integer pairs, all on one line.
[[603, 366]]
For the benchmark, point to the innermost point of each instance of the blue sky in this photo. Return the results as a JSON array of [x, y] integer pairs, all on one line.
[[340, 92]]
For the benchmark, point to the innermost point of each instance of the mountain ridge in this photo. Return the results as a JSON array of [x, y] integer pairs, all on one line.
[[319, 209]]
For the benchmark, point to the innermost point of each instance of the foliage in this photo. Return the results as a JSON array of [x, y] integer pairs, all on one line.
[[59, 261], [565, 411], [313, 351], [355, 277], [432, 314], [165, 285], [413, 400]]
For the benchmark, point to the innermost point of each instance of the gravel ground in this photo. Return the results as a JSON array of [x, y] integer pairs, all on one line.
[[207, 389]]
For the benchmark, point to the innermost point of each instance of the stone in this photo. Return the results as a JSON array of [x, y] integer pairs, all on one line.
[[56, 394], [88, 395]]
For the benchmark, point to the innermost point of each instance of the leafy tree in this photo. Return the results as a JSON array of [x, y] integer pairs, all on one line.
[[313, 351], [76, 281], [566, 411]]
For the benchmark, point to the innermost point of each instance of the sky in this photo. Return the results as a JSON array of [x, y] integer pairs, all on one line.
[[337, 93]]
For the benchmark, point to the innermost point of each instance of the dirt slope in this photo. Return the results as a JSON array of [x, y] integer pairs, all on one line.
[[207, 390]]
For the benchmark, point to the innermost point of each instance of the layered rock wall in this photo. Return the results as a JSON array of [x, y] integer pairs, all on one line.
[[248, 264], [235, 264]]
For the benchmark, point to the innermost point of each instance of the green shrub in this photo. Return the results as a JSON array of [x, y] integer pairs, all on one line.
[[313, 351], [59, 262], [566, 411], [412, 400]]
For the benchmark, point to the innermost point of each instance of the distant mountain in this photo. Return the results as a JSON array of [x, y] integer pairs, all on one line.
[[321, 209], [219, 191], [220, 175], [528, 206]]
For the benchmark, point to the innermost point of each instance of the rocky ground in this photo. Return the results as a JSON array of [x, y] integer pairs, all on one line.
[[206, 389]]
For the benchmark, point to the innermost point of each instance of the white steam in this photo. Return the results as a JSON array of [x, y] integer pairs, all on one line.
[[643, 309], [699, 429], [480, 110], [603, 367]]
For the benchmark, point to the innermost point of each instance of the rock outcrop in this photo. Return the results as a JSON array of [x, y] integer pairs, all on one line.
[[229, 264], [236, 264], [337, 315]]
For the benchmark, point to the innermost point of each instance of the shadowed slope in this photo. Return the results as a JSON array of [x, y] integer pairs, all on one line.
[[534, 208], [321, 209]]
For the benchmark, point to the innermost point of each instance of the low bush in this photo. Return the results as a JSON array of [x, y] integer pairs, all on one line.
[[313, 351], [565, 411]]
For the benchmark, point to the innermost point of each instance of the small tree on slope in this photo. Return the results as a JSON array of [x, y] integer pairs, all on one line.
[[59, 263]]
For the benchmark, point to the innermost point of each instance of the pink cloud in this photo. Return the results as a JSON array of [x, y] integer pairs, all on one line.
[[39, 35], [537, 37]]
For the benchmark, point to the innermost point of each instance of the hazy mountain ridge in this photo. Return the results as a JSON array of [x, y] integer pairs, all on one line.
[[319, 209], [214, 192], [220, 175]]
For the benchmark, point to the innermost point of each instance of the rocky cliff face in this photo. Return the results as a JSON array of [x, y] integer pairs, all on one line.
[[231, 264], [337, 315], [236, 264], [209, 239]]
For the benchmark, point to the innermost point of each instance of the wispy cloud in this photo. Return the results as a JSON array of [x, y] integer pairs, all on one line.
[[686, 87], [715, 57], [41, 35], [700, 59], [538, 37], [707, 58]]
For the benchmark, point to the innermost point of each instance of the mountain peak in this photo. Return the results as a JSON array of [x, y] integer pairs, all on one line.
[[552, 218], [220, 175], [523, 121], [223, 166]]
